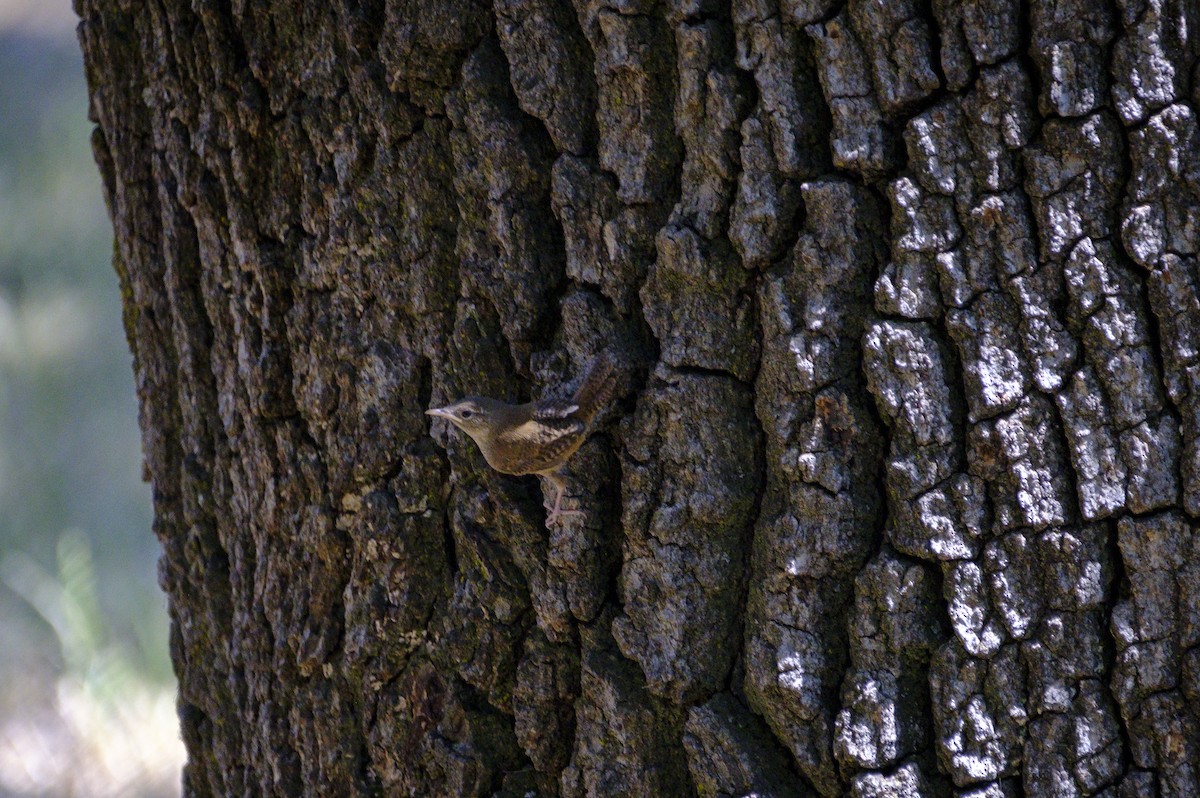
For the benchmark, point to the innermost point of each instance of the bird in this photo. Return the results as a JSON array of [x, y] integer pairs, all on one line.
[[536, 437]]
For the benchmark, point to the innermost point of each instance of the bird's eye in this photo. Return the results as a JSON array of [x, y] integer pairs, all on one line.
[[465, 414]]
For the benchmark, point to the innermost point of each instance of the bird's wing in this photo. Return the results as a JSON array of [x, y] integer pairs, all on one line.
[[552, 409], [541, 442]]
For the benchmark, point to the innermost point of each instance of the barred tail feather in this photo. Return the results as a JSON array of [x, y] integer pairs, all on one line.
[[597, 387]]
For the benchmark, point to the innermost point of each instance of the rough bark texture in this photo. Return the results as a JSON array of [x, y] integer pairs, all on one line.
[[901, 495]]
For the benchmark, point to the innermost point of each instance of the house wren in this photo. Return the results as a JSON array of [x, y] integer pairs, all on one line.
[[538, 437]]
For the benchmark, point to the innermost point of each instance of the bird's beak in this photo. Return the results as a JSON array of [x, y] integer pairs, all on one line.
[[438, 412]]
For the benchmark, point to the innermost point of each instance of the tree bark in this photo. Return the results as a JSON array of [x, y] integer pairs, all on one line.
[[901, 493]]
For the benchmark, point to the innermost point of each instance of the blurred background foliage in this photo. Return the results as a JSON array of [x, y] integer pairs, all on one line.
[[86, 691]]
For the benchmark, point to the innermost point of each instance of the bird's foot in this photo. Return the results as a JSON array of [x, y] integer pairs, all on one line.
[[556, 515], [557, 512]]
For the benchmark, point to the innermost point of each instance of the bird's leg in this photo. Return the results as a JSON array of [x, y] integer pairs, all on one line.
[[560, 487]]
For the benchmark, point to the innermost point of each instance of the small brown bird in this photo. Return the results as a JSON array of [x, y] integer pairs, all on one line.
[[538, 437]]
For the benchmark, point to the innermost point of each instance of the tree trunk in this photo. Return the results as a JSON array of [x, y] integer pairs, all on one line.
[[901, 493]]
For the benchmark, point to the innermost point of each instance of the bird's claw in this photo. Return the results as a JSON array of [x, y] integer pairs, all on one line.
[[557, 512], [556, 515]]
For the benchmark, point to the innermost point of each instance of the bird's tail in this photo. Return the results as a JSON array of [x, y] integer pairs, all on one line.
[[597, 387]]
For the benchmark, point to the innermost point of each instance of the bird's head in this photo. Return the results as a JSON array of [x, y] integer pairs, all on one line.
[[474, 415]]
